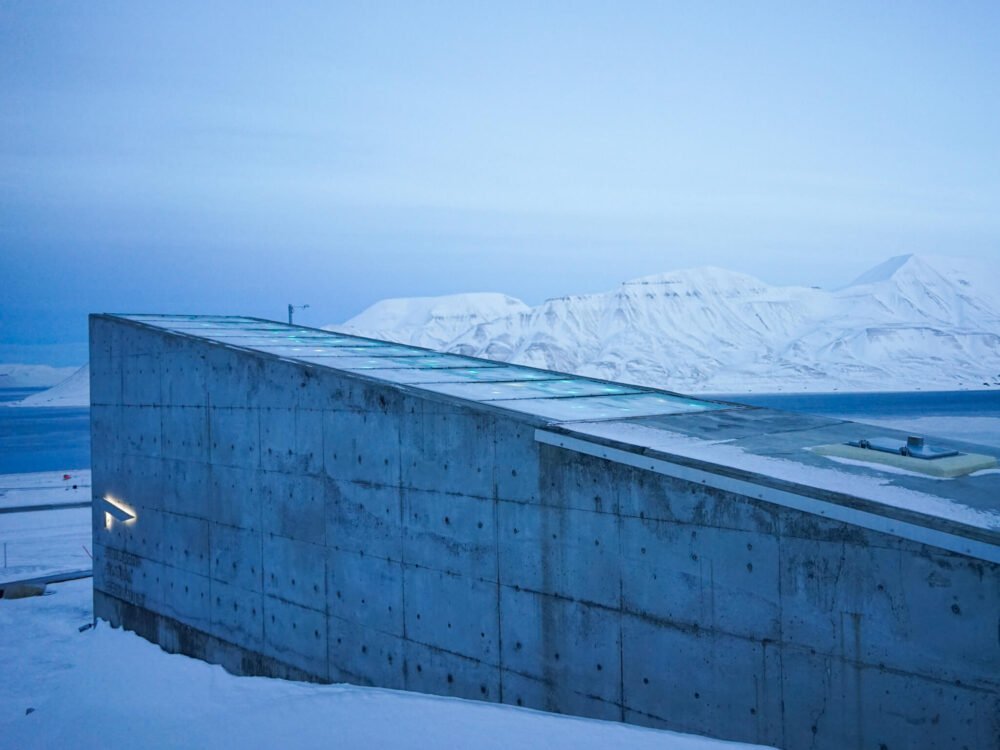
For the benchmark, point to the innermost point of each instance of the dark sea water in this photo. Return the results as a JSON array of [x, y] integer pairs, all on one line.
[[16, 394], [889, 405], [42, 438]]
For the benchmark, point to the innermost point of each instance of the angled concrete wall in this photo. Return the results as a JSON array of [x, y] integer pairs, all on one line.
[[295, 521]]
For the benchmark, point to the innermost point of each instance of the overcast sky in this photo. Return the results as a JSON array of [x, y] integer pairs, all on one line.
[[235, 157]]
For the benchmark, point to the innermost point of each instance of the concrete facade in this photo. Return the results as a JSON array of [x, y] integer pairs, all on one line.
[[298, 520]]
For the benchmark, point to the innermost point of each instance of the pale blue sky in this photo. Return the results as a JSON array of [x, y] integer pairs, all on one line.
[[237, 157]]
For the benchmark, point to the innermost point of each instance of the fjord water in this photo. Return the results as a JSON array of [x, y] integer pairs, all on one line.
[[901, 405], [42, 438], [16, 394]]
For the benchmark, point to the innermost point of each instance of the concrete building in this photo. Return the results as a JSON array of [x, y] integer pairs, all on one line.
[[292, 502]]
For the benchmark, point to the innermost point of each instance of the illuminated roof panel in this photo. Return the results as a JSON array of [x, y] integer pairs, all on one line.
[[481, 373], [541, 393], [559, 388], [645, 404], [338, 350]]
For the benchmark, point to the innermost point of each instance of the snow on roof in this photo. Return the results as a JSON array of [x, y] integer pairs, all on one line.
[[861, 481]]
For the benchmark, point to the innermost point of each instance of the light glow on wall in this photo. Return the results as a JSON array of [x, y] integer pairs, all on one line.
[[116, 510]]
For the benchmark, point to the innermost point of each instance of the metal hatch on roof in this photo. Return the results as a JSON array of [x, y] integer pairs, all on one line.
[[913, 454]]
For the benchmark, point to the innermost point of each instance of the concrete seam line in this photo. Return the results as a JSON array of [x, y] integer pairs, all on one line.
[[853, 516]]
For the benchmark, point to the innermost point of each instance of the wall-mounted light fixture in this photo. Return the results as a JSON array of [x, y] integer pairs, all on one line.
[[114, 510]]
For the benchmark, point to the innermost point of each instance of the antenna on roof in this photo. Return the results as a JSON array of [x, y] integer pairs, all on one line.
[[291, 310]]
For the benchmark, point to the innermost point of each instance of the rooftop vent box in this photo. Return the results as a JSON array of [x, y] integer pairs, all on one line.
[[912, 455], [914, 446]]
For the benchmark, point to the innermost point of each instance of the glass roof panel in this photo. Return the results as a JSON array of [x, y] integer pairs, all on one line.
[[346, 363], [399, 375], [214, 330], [539, 392], [369, 363], [434, 361], [343, 350], [607, 407], [505, 372], [277, 335], [290, 350], [532, 389], [391, 352], [192, 326], [281, 339], [486, 373], [174, 325]]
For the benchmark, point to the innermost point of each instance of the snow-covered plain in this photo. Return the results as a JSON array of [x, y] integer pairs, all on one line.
[[44, 488], [912, 323], [42, 542]]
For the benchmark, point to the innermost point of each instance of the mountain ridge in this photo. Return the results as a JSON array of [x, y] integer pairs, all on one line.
[[912, 322], [32, 376], [72, 391], [430, 321]]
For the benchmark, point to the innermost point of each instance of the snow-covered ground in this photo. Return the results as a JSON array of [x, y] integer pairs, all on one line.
[[44, 542], [44, 488], [41, 542], [106, 688]]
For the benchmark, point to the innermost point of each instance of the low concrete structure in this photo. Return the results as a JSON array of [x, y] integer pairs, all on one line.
[[292, 502]]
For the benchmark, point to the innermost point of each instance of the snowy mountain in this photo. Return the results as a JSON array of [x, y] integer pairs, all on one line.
[[32, 376], [430, 321], [73, 391], [914, 322]]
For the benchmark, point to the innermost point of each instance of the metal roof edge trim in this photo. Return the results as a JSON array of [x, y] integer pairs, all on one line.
[[979, 543]]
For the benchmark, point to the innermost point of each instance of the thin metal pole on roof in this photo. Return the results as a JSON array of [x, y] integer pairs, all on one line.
[[292, 308]]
